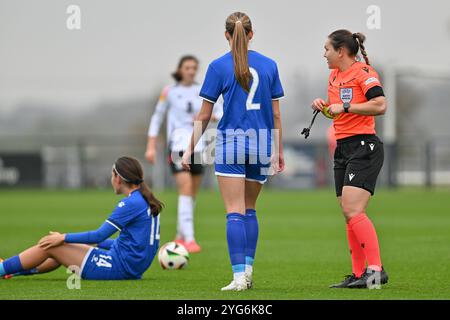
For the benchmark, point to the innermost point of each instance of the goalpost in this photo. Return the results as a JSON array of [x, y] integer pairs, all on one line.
[[415, 129]]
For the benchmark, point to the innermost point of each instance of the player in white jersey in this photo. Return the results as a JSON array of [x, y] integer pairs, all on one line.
[[181, 102]]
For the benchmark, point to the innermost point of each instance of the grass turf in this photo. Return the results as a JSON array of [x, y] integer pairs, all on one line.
[[302, 247]]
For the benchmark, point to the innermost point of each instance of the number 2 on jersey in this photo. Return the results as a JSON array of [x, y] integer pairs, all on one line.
[[251, 95]]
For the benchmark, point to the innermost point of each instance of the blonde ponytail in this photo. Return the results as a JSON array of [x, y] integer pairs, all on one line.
[[238, 25]]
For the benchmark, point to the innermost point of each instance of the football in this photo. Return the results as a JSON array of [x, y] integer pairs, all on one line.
[[173, 256]]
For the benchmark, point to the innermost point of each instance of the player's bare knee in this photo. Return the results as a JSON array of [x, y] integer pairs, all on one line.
[[349, 215], [349, 211], [49, 251]]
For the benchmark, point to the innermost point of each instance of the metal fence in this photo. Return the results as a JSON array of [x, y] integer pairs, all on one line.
[[69, 162]]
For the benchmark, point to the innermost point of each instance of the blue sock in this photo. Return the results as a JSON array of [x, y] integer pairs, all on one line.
[[26, 272], [10, 266], [237, 241], [252, 231]]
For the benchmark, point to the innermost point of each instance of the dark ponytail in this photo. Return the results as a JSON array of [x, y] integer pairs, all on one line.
[[354, 42], [360, 38], [177, 74], [156, 206], [130, 171]]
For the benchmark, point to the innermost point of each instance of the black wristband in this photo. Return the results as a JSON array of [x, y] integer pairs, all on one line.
[[346, 106]]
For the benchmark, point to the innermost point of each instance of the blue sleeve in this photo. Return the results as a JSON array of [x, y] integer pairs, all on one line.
[[277, 89], [104, 232], [212, 85], [124, 212], [107, 244]]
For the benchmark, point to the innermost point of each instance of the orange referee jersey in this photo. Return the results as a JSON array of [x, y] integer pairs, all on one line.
[[351, 86]]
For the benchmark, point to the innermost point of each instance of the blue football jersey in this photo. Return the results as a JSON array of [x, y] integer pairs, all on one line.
[[243, 112], [139, 233]]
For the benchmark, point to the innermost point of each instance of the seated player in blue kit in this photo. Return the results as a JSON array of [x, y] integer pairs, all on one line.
[[128, 256]]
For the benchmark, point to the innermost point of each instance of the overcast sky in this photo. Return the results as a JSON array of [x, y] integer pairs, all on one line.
[[129, 48]]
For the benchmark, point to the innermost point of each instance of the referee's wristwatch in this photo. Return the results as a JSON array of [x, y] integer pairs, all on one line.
[[346, 106]]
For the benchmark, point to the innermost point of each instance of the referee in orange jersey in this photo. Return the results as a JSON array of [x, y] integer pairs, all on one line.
[[355, 97]]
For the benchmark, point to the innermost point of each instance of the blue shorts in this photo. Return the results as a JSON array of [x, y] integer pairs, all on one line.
[[100, 264], [251, 172]]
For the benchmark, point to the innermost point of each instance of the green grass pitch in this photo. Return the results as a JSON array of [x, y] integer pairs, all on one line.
[[302, 247]]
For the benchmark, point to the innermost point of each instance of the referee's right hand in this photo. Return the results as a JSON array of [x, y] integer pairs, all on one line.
[[318, 104]]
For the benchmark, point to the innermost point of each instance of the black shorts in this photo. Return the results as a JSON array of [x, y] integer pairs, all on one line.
[[176, 167], [357, 162]]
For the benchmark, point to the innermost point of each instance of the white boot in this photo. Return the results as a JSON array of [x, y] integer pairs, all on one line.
[[238, 284], [249, 279]]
